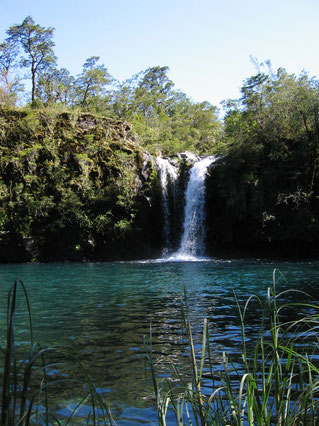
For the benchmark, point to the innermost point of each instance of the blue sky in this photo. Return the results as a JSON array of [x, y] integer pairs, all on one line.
[[206, 43]]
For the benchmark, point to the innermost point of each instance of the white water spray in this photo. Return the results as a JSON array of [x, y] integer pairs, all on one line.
[[193, 238]]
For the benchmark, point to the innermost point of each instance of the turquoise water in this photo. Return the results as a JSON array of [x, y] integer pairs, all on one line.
[[101, 311]]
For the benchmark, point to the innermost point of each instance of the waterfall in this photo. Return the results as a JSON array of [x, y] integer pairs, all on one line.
[[168, 174], [193, 238]]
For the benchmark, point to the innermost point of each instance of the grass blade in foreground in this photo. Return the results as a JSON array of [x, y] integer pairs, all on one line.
[[275, 384], [25, 387]]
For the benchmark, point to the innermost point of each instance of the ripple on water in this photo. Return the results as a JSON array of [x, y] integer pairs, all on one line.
[[101, 311]]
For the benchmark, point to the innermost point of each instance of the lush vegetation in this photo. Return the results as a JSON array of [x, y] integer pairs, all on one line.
[[166, 120], [264, 191], [75, 183], [69, 182]]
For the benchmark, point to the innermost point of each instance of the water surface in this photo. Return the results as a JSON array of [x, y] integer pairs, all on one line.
[[101, 311]]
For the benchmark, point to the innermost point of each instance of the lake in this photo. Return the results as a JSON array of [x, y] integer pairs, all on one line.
[[99, 312]]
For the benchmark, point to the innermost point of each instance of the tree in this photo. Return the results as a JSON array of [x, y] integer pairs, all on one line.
[[306, 100], [90, 85], [55, 86], [10, 84], [153, 92], [166, 120], [36, 42], [123, 99]]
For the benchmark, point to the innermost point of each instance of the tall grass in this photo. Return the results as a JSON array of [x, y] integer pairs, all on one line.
[[276, 382], [17, 399], [25, 385]]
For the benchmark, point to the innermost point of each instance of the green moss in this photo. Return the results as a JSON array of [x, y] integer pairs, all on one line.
[[60, 173]]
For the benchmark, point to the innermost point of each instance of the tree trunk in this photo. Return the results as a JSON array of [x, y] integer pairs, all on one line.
[[33, 75], [315, 151], [33, 87]]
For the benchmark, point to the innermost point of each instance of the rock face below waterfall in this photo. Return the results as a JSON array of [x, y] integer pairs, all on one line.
[[255, 217], [74, 187]]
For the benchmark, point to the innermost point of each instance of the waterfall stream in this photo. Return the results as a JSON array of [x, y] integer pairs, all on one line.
[[193, 238], [192, 242]]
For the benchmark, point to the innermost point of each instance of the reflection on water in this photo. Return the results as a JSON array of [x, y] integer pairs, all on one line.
[[101, 311]]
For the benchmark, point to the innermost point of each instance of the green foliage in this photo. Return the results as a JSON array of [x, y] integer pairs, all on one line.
[[55, 86], [68, 177], [276, 123], [270, 158], [166, 121], [268, 144], [89, 87], [10, 84], [37, 44]]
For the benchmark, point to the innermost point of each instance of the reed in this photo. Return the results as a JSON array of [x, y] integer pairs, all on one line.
[[25, 385], [17, 399], [275, 383]]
